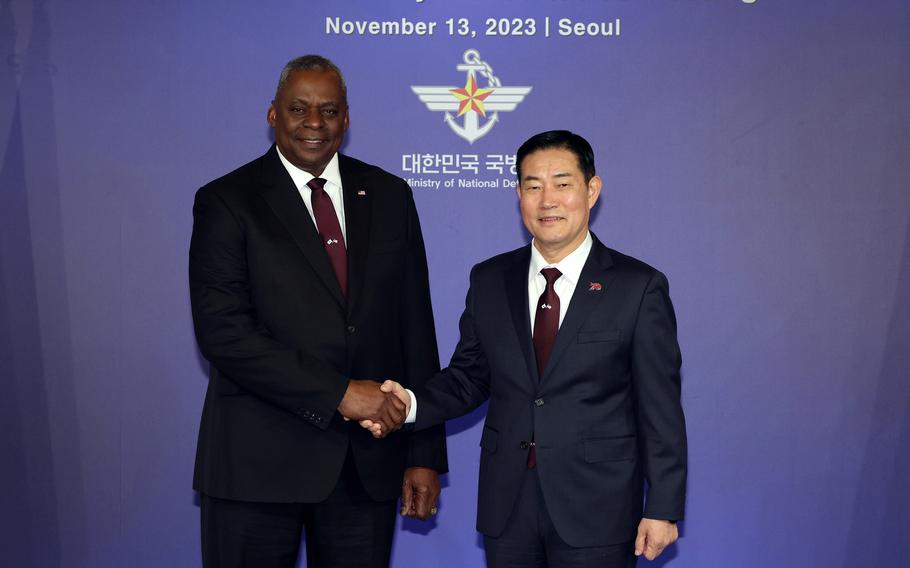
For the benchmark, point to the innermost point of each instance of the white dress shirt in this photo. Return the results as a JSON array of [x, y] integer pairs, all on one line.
[[332, 177], [565, 285]]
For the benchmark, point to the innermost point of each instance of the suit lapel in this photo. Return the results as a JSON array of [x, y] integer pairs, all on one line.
[[357, 213], [590, 289], [283, 198], [516, 290]]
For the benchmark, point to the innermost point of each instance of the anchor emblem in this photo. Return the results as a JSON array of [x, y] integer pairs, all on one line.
[[471, 101]]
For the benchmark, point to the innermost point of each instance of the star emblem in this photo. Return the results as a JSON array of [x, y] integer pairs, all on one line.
[[471, 97]]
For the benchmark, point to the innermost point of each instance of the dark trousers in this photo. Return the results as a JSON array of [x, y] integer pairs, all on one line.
[[531, 541], [347, 530]]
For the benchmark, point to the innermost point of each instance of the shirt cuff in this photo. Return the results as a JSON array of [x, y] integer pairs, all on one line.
[[412, 414]]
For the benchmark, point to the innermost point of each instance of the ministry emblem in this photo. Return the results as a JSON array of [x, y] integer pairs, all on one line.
[[472, 103]]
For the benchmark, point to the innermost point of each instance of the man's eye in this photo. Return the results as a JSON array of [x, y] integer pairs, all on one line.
[[296, 109], [329, 112]]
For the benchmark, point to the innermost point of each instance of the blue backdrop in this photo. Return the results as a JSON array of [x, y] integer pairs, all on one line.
[[757, 152]]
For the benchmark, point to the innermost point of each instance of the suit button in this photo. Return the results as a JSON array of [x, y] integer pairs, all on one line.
[[523, 445], [351, 329], [538, 402]]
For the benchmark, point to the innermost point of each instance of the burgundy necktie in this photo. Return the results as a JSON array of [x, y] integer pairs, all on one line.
[[330, 231], [546, 325]]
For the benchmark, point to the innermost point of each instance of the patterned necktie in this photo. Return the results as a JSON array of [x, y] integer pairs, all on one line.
[[546, 322], [546, 325], [330, 231]]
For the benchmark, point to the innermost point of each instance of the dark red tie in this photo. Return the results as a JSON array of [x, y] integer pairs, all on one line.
[[330, 231], [546, 325], [546, 322]]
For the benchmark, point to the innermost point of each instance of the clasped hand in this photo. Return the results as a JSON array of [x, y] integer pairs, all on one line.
[[379, 410], [398, 392]]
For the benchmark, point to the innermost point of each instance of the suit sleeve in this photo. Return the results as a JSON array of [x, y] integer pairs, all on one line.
[[229, 334], [465, 383], [426, 448], [656, 364]]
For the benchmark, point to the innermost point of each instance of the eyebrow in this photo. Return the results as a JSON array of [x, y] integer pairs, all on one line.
[[306, 102], [537, 178]]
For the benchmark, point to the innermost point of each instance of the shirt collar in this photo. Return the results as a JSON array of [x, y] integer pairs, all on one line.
[[301, 177], [570, 266]]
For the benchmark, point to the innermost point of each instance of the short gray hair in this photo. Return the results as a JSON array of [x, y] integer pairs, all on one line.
[[311, 63]]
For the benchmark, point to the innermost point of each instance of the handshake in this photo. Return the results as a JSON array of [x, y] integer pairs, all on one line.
[[380, 408]]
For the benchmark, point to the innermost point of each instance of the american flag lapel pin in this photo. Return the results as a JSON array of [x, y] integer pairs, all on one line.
[[361, 193], [595, 287]]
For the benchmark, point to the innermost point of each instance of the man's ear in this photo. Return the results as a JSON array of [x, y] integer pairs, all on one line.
[[594, 186], [271, 115]]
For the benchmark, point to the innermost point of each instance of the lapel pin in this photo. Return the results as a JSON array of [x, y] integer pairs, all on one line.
[[361, 192], [595, 287]]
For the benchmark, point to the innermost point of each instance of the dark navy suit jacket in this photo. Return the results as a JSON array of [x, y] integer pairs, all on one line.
[[282, 341], [606, 414]]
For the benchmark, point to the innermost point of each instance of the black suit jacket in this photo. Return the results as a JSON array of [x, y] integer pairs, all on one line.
[[606, 414], [282, 341]]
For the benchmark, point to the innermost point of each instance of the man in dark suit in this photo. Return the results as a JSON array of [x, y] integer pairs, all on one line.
[[574, 344], [308, 270]]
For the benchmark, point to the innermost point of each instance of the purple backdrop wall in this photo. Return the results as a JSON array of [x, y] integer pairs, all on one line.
[[756, 152]]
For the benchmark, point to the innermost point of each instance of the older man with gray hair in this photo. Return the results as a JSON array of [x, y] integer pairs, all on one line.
[[307, 272]]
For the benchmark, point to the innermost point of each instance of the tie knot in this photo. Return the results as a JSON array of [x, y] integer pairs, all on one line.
[[316, 184], [551, 274]]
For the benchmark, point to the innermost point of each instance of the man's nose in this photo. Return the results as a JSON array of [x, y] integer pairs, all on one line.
[[313, 118], [548, 197]]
